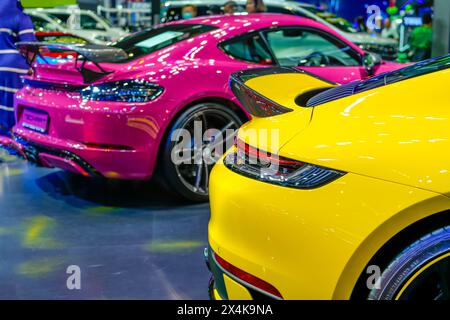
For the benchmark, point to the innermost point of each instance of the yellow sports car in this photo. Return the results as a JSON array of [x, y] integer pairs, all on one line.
[[335, 192]]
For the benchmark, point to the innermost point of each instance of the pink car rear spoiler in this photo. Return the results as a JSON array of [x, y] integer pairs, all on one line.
[[95, 54]]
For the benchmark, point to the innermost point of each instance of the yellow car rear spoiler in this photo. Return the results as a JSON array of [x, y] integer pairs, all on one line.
[[267, 92]]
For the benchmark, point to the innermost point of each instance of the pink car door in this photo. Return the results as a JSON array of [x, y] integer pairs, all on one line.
[[316, 51]]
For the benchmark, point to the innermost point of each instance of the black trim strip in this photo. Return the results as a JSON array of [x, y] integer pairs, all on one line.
[[245, 75], [32, 150], [52, 85]]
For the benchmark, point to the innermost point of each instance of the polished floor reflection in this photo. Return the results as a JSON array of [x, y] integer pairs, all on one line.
[[130, 240]]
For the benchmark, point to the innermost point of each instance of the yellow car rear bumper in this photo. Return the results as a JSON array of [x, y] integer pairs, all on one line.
[[309, 244]]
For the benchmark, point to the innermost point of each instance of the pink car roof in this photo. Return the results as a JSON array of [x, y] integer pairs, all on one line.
[[240, 23], [228, 26]]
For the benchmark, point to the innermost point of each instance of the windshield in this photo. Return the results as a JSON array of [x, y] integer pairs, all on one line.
[[81, 21], [146, 42], [340, 23], [41, 24]]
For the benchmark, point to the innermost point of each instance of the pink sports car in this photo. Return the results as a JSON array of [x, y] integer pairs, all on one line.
[[113, 111]]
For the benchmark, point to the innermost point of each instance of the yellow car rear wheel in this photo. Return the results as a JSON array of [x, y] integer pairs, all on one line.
[[421, 271]]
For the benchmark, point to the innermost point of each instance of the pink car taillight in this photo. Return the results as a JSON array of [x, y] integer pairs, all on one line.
[[123, 91], [271, 168]]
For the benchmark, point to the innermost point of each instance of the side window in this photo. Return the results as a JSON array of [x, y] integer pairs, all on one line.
[[249, 48], [172, 14], [40, 24], [277, 9], [304, 47], [204, 10], [61, 16], [88, 23], [302, 13]]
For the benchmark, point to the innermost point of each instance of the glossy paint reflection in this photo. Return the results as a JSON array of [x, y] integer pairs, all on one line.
[[129, 239], [183, 74]]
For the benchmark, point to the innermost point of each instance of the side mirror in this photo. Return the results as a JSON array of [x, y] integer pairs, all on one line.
[[371, 61]]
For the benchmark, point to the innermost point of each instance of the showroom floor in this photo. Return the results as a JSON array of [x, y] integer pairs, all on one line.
[[131, 240]]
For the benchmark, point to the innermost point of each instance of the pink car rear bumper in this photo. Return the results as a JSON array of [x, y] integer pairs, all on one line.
[[114, 140], [75, 157]]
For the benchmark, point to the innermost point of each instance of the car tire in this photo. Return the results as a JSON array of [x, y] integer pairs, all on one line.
[[175, 178], [421, 271]]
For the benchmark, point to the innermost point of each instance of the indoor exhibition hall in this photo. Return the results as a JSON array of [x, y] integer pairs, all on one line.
[[224, 150]]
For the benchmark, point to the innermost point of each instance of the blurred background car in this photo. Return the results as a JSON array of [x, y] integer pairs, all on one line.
[[54, 57], [83, 23], [59, 37], [44, 23], [385, 47]]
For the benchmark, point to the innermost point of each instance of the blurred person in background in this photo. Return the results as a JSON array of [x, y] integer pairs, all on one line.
[[421, 39], [391, 24], [379, 26], [189, 11], [390, 29], [360, 24], [229, 7], [255, 6], [15, 26], [324, 6]]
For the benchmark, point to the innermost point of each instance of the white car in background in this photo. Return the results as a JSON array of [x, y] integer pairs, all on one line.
[[82, 23], [43, 22]]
